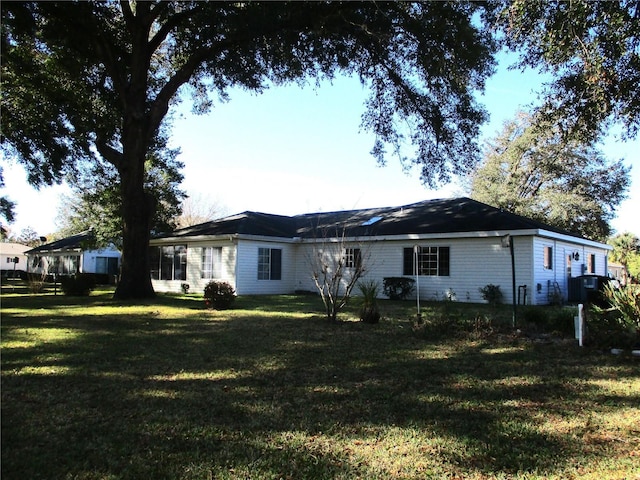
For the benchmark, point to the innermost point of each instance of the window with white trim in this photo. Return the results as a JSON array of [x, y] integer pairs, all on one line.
[[352, 258], [269, 263], [108, 265], [211, 262], [431, 261], [548, 258], [168, 262]]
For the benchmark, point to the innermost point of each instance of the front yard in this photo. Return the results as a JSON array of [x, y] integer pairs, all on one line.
[[92, 389]]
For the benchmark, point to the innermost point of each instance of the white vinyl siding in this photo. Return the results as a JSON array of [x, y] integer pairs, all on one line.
[[473, 263], [93, 261], [247, 268], [569, 260], [195, 273]]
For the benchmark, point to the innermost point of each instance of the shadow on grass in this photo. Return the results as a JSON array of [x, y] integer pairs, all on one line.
[[202, 394]]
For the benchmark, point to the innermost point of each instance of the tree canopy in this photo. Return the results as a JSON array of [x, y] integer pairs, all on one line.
[[592, 51], [626, 251], [545, 176], [96, 80], [95, 201], [6, 205]]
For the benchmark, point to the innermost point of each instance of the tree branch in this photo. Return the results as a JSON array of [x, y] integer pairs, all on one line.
[[109, 153]]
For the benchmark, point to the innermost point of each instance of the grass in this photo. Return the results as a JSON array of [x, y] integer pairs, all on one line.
[[92, 389]]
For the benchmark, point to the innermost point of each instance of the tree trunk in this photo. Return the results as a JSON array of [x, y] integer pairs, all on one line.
[[137, 211]]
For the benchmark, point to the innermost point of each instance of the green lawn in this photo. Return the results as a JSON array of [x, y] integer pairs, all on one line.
[[92, 389]]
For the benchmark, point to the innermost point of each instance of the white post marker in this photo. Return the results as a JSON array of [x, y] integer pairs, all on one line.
[[416, 250], [579, 324]]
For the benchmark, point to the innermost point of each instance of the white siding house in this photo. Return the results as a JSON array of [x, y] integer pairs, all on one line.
[[71, 255], [13, 259], [461, 243]]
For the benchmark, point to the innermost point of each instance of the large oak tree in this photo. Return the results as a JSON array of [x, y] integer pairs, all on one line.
[[554, 179], [87, 80]]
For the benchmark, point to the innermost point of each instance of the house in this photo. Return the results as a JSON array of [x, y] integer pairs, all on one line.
[[73, 254], [453, 247], [618, 272], [13, 260]]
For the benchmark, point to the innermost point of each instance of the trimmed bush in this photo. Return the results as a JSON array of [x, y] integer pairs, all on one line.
[[398, 288], [219, 295], [78, 285]]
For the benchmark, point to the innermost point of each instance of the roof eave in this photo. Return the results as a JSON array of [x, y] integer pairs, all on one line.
[[221, 237], [473, 234], [569, 238]]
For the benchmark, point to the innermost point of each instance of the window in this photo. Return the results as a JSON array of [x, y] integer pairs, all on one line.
[[548, 258], [269, 264], [154, 262], [432, 261], [211, 262], [591, 263], [169, 262], [36, 262], [65, 264], [108, 265], [352, 258]]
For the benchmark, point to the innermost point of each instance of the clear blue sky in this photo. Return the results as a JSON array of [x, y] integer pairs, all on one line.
[[295, 150]]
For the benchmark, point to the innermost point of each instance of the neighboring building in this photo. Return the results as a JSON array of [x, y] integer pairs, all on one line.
[[13, 260], [71, 255], [618, 272], [459, 245]]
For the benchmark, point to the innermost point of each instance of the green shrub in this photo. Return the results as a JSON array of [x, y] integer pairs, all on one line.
[[369, 312], [619, 325], [491, 294], [398, 288], [219, 295], [78, 285], [548, 318], [605, 330], [626, 301]]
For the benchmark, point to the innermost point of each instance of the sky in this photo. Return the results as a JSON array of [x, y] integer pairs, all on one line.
[[296, 150]]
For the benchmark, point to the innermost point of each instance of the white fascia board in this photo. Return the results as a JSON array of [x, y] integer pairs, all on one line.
[[424, 237], [373, 238], [191, 239], [211, 238], [570, 239], [459, 235], [58, 251]]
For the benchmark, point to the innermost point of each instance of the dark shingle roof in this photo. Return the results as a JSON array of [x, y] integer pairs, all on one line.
[[429, 217], [456, 215], [74, 242], [248, 223]]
